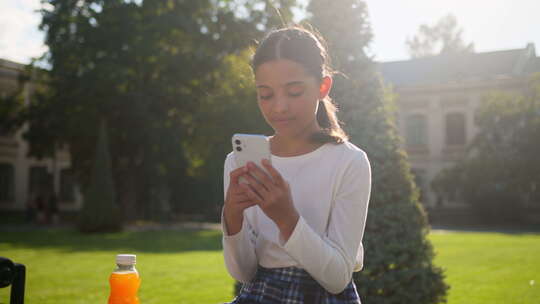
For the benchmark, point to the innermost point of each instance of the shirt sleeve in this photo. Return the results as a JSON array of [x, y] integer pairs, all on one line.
[[238, 249], [334, 261]]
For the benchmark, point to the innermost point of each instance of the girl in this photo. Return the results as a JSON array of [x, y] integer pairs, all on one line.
[[295, 236]]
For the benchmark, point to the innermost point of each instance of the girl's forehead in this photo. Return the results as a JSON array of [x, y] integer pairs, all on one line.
[[280, 72]]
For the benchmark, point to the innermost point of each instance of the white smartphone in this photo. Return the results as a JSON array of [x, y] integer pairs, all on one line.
[[250, 147]]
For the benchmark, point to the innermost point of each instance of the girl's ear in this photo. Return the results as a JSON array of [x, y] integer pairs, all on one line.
[[325, 87]]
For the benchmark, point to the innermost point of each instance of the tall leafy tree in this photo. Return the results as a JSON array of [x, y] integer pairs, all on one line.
[[398, 264], [11, 105], [146, 67], [444, 37], [101, 212], [231, 108], [12, 102]]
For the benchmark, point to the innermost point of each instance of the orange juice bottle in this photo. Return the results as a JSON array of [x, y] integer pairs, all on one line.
[[124, 281]]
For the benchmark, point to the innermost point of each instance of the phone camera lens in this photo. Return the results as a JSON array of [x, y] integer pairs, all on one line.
[[238, 149], [237, 141]]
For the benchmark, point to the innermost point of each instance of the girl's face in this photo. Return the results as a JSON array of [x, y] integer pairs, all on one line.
[[288, 97]]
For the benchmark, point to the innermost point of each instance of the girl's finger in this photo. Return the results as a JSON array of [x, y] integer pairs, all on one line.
[[247, 204], [256, 185], [235, 175], [278, 179], [254, 196], [242, 197], [262, 176]]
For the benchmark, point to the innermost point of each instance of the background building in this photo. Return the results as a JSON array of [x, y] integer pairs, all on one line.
[[437, 98], [23, 178]]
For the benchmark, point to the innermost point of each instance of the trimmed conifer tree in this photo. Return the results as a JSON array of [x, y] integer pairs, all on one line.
[[100, 212], [398, 261]]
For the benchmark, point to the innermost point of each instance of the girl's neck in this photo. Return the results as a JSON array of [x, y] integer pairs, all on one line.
[[285, 146]]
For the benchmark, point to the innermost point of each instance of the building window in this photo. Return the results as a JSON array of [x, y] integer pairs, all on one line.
[[416, 130], [38, 180], [7, 183], [455, 129], [67, 186]]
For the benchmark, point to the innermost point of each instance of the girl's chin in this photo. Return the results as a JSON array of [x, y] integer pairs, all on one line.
[[282, 126], [283, 123], [290, 132], [284, 129]]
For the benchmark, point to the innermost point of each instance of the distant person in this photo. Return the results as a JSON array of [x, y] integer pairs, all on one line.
[[53, 208], [41, 209], [296, 236], [30, 209]]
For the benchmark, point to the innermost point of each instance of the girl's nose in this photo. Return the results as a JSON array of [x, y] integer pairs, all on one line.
[[281, 105]]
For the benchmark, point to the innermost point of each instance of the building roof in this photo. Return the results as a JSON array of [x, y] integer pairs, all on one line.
[[8, 64], [451, 68], [10, 69]]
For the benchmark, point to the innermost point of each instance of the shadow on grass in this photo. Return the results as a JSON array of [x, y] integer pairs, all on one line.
[[145, 241]]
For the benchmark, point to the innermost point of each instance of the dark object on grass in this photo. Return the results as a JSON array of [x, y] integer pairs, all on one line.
[[13, 274]]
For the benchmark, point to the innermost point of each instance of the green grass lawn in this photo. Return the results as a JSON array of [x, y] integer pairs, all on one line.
[[484, 268], [67, 267], [187, 266]]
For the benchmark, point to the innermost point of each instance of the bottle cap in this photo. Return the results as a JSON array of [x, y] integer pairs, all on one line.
[[126, 259]]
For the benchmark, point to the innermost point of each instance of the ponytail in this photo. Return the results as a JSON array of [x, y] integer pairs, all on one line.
[[331, 131]]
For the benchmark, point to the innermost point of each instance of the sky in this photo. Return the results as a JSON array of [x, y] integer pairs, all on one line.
[[490, 24]]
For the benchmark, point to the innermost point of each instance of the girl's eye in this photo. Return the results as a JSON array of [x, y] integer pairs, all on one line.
[[265, 93], [295, 90], [295, 93]]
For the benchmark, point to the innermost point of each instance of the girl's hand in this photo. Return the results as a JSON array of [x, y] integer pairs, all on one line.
[[236, 201], [273, 195]]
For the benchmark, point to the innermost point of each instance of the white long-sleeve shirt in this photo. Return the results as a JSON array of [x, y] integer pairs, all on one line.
[[330, 189]]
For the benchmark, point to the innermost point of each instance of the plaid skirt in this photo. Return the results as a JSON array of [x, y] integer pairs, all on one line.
[[291, 285]]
